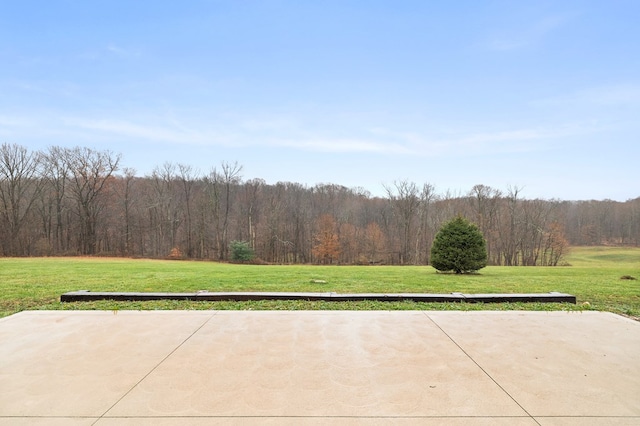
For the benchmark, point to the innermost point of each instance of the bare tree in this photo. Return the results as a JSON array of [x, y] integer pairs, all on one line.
[[425, 232], [375, 242], [188, 179], [56, 174], [250, 204], [164, 209], [349, 236], [485, 203], [66, 201], [220, 184], [230, 176], [90, 170], [633, 221], [404, 198], [508, 232], [128, 200], [20, 185]]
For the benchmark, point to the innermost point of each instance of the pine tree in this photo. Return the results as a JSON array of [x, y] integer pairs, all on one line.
[[241, 251], [460, 247]]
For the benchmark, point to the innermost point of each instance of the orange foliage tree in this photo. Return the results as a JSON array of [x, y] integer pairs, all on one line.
[[327, 243], [556, 245]]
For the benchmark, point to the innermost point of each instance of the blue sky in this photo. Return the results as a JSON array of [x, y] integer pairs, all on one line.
[[542, 95]]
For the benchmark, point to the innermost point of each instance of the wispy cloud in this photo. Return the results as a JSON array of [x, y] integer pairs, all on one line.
[[139, 131], [342, 145], [525, 36], [287, 132], [611, 95], [121, 51], [111, 50], [232, 136], [467, 142], [15, 121], [515, 141]]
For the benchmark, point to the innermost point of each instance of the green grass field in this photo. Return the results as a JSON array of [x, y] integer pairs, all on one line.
[[594, 276]]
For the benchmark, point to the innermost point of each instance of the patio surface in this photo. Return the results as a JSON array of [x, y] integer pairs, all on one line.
[[319, 367]]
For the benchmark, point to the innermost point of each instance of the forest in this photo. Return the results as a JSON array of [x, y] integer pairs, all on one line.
[[80, 201]]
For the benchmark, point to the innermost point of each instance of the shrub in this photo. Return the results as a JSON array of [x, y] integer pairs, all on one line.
[[460, 247], [241, 252], [175, 253]]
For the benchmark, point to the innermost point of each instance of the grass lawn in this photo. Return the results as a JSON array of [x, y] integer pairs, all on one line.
[[594, 276]]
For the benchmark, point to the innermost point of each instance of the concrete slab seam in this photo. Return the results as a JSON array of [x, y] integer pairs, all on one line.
[[480, 367], [330, 417], [104, 415]]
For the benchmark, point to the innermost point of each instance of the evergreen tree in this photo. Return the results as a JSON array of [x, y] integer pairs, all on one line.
[[460, 247], [241, 252]]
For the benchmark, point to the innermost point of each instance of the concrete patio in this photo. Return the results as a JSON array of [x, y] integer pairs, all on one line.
[[319, 367]]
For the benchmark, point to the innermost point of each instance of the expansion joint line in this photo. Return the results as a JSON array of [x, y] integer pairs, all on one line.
[[154, 368], [481, 368]]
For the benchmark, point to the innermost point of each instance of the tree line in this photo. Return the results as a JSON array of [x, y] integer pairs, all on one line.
[[80, 201]]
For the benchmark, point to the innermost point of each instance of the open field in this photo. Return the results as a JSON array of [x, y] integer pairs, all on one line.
[[594, 276]]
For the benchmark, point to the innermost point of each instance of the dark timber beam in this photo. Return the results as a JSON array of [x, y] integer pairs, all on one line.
[[206, 296]]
